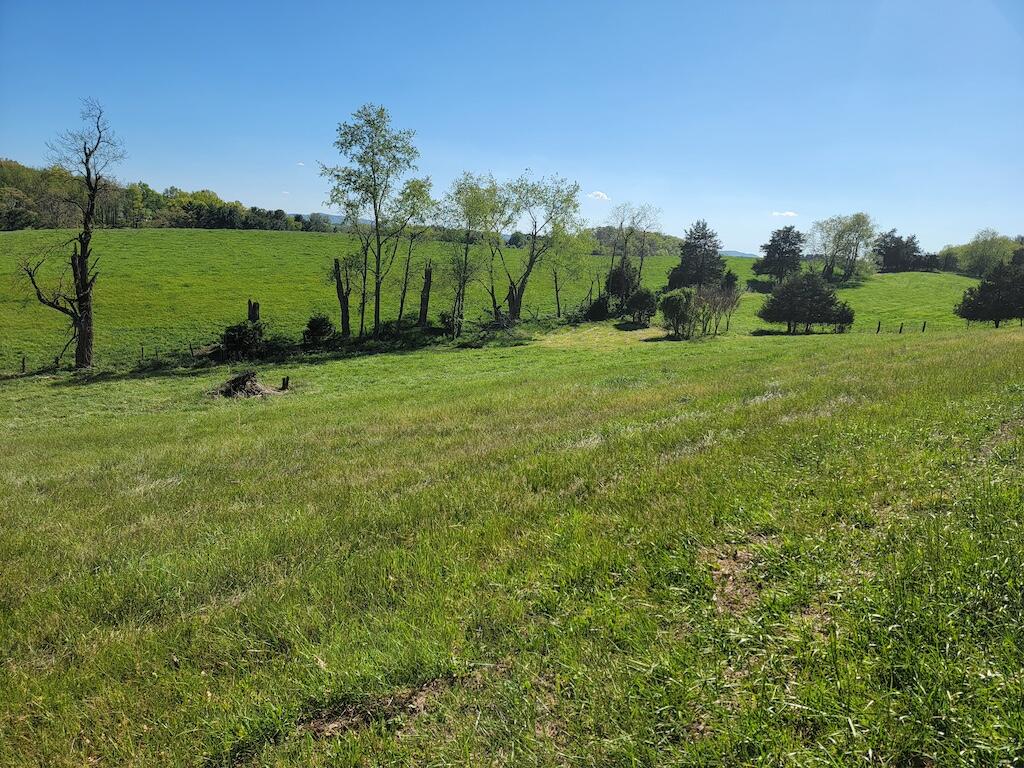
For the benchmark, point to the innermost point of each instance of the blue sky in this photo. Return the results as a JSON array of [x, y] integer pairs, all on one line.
[[730, 111]]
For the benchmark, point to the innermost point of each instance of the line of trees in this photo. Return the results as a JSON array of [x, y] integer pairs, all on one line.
[[48, 198], [392, 212]]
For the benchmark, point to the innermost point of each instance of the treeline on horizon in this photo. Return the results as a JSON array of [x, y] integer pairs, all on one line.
[[43, 198]]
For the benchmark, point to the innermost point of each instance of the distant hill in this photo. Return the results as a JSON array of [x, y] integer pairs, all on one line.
[[740, 254]]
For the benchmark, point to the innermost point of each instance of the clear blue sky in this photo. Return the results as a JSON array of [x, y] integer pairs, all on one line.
[[910, 110]]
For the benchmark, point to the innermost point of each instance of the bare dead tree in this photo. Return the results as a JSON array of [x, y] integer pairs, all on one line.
[[87, 154]]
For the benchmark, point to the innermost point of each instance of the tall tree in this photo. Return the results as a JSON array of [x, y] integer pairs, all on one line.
[[546, 206], [646, 221], [566, 259], [987, 249], [464, 210], [421, 208], [86, 156], [843, 243], [700, 258], [782, 254], [378, 158], [622, 220]]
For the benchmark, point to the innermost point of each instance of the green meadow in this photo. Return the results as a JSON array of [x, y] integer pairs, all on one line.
[[598, 548], [164, 289]]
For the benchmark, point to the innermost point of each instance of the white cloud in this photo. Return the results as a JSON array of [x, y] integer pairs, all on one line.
[[598, 195], [787, 214], [284, 193], [300, 163]]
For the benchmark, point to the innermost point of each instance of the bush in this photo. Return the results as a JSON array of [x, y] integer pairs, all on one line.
[[642, 305], [242, 340], [319, 331], [678, 308], [598, 309]]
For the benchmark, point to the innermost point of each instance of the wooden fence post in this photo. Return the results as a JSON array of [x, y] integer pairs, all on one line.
[[924, 325], [901, 327], [22, 363], [879, 328]]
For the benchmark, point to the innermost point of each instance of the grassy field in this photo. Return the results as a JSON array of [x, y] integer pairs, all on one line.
[[163, 289], [595, 549]]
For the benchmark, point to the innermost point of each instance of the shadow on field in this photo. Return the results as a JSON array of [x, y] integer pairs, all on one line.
[[629, 325]]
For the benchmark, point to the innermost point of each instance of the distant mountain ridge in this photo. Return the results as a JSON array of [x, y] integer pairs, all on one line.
[[740, 254]]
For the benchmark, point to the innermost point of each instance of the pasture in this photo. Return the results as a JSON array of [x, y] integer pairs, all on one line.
[[163, 289], [597, 548]]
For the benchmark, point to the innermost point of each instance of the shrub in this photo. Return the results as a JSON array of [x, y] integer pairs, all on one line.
[[598, 309], [642, 305], [319, 330], [242, 340], [678, 308]]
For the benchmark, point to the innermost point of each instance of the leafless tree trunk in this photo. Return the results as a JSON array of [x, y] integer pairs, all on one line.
[[86, 154], [343, 288], [428, 276]]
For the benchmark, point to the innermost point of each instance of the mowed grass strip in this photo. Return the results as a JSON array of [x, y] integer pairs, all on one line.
[[592, 551], [162, 289]]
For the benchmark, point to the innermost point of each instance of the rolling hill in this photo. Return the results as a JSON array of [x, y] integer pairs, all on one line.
[[164, 289]]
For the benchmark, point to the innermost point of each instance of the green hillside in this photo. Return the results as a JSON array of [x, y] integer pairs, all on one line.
[[166, 288], [588, 550]]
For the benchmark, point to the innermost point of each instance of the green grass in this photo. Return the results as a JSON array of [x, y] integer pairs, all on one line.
[[595, 549], [164, 289]]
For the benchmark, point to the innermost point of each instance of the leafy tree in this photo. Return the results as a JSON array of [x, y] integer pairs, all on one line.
[[642, 305], [985, 251], [843, 244], [86, 155], [546, 206], [421, 208], [16, 209], [566, 259], [997, 298], [782, 254], [317, 222], [370, 187], [805, 300], [465, 208], [899, 254], [516, 240], [700, 259]]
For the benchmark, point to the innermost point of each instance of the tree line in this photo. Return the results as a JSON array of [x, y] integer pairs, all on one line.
[[51, 198], [391, 212]]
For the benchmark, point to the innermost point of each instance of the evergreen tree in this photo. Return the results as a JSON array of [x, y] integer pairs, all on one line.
[[782, 254], [700, 260]]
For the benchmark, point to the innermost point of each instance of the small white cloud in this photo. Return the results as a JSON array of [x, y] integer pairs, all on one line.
[[598, 195], [284, 193], [787, 214], [300, 163]]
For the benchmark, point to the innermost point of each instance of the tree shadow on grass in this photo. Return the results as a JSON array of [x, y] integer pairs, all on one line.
[[629, 325]]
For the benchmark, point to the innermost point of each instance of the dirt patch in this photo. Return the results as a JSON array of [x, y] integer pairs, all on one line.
[[245, 384], [735, 591], [1006, 432], [392, 709]]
